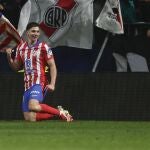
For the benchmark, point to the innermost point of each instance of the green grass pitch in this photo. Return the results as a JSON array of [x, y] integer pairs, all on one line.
[[78, 135]]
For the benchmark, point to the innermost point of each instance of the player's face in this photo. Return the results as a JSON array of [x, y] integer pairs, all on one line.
[[33, 34]]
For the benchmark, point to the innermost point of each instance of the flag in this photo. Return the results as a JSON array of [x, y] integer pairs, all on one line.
[[9, 37], [110, 17], [63, 22]]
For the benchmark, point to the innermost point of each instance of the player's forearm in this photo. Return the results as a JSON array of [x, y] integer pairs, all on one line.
[[12, 63], [53, 74]]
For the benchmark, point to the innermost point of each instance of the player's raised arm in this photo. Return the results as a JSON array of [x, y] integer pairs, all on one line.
[[14, 63]]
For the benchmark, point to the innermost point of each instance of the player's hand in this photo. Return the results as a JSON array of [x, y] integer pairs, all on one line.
[[1, 7], [9, 51], [50, 87]]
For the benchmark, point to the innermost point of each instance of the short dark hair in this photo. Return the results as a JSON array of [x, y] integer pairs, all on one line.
[[32, 24]]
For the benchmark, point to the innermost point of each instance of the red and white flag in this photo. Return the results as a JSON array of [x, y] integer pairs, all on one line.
[[110, 18], [63, 22], [9, 37]]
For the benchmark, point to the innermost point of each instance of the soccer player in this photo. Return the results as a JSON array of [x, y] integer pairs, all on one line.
[[33, 56]]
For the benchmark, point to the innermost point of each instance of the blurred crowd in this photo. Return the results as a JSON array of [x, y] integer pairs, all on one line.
[[135, 10]]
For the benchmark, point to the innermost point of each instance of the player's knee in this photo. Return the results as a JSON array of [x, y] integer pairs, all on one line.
[[34, 107]]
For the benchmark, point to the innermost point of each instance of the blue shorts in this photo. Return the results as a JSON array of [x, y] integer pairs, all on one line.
[[34, 92]]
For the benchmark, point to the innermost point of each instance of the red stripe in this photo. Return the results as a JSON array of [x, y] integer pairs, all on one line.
[[47, 30], [42, 66], [67, 5], [119, 19], [2, 28]]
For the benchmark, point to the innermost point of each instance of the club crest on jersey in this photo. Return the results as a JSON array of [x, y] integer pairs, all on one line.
[[28, 66], [49, 51], [55, 17]]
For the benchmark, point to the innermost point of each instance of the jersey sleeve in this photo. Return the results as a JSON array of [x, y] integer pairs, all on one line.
[[47, 52]]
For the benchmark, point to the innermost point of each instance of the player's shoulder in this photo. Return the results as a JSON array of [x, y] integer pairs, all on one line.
[[21, 42], [21, 45], [44, 46]]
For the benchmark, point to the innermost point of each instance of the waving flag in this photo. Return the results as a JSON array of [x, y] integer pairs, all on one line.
[[63, 22], [110, 18], [9, 36]]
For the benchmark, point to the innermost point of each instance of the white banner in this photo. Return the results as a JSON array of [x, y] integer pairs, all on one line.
[[110, 18], [63, 22]]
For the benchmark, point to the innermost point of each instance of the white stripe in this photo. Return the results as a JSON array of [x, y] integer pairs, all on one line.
[[38, 63]]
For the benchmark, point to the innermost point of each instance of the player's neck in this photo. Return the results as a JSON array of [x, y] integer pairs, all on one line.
[[31, 43]]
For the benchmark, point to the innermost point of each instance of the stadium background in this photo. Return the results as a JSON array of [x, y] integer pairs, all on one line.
[[104, 95]]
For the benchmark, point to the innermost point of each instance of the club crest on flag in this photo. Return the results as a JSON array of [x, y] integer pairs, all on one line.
[[55, 17]]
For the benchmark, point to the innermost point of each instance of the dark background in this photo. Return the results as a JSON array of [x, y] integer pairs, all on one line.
[[92, 96]]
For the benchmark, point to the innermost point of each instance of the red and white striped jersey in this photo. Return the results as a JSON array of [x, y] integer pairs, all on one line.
[[34, 59]]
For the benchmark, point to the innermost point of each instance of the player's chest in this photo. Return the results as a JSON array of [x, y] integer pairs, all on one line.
[[31, 54]]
